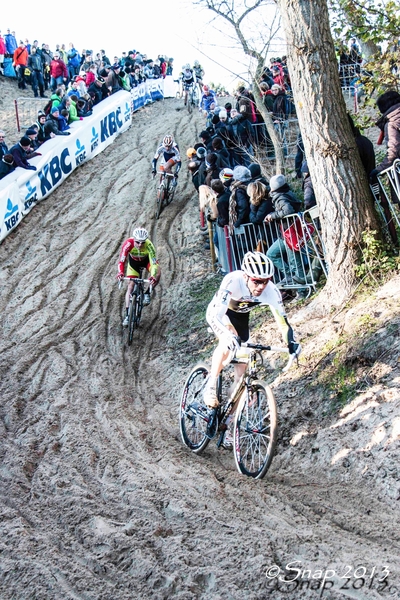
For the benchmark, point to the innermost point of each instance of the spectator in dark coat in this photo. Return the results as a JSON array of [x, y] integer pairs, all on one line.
[[287, 262], [98, 90], [3, 145], [7, 165], [256, 174], [260, 202], [52, 124], [20, 153], [222, 153], [365, 148], [113, 81], [239, 206], [308, 189]]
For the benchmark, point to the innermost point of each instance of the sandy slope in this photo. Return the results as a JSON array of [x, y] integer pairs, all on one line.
[[99, 499]]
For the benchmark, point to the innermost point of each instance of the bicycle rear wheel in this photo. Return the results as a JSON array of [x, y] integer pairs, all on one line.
[[193, 413], [132, 318], [255, 431]]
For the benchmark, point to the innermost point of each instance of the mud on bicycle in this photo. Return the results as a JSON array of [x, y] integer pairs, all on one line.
[[251, 404], [165, 190], [137, 299]]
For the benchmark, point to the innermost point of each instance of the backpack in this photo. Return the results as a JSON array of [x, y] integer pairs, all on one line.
[[48, 107]]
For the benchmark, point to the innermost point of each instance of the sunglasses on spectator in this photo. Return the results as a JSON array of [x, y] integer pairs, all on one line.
[[260, 281]]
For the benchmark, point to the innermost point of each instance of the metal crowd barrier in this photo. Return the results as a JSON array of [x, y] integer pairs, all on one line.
[[294, 244], [387, 201], [26, 111]]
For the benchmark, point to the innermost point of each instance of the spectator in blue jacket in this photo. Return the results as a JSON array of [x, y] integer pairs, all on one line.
[[74, 61], [11, 42]]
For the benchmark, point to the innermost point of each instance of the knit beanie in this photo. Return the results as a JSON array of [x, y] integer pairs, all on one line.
[[276, 182], [241, 173]]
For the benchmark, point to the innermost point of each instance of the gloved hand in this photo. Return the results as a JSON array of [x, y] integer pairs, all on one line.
[[120, 276], [81, 118], [294, 348], [373, 174], [232, 342], [31, 168], [153, 172], [152, 281]]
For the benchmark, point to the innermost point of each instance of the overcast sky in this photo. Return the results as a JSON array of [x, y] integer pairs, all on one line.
[[178, 29]]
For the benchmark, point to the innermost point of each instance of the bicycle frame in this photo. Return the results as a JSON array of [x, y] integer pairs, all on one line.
[[164, 192], [220, 415], [135, 297]]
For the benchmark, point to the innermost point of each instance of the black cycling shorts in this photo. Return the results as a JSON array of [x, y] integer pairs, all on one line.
[[240, 321]]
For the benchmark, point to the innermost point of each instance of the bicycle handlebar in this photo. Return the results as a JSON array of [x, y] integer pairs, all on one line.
[[292, 357], [139, 279]]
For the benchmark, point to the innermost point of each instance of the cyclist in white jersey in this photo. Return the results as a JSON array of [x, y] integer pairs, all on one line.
[[228, 314]]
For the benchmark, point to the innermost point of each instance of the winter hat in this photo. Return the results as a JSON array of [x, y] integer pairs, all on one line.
[[275, 87], [31, 131], [211, 159], [387, 100], [276, 182], [241, 173], [54, 110], [25, 141], [116, 66], [223, 114], [190, 152], [201, 152], [255, 170], [226, 175], [205, 135]]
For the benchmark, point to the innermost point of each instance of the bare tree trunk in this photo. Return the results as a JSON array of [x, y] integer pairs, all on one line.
[[340, 184], [279, 158]]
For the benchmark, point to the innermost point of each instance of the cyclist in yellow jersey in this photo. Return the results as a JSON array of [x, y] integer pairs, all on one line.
[[138, 253]]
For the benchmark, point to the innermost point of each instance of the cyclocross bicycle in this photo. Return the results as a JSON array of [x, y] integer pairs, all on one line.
[[253, 404], [135, 303], [190, 96], [165, 191]]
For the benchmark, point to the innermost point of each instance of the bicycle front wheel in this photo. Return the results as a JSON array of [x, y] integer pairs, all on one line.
[[190, 103], [160, 200], [193, 413], [139, 307], [132, 318], [255, 431]]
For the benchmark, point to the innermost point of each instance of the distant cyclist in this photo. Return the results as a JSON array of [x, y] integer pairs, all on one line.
[[208, 100], [199, 74], [228, 314], [169, 149], [137, 253], [187, 79]]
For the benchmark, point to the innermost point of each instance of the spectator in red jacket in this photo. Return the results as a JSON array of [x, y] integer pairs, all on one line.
[[20, 60], [3, 51], [58, 72]]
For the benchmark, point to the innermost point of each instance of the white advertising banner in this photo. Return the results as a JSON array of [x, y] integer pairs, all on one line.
[[23, 189]]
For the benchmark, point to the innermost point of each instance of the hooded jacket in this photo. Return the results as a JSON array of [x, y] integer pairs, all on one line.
[[389, 123], [285, 202]]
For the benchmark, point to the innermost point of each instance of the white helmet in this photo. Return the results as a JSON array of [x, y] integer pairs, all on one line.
[[140, 234], [258, 265], [196, 63]]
